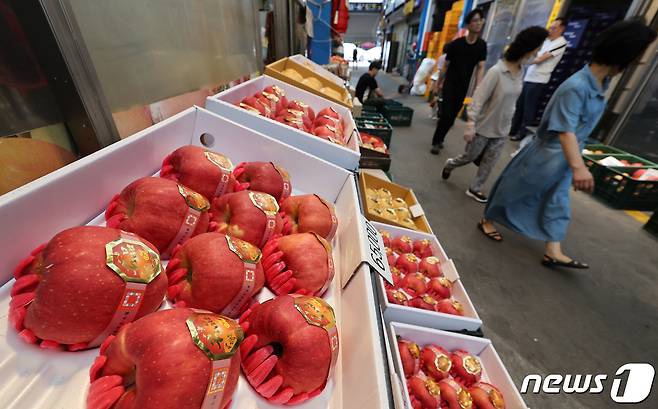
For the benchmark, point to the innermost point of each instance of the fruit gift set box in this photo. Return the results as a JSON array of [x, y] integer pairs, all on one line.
[[109, 185], [426, 287], [303, 130], [442, 369]]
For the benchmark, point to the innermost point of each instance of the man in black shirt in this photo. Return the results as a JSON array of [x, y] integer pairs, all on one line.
[[463, 55], [368, 82]]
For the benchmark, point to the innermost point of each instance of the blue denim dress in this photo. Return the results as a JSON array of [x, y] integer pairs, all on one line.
[[531, 196]]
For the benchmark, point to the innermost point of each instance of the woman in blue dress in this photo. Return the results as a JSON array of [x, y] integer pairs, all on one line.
[[531, 196]]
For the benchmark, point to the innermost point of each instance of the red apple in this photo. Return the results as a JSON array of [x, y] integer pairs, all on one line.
[[386, 237], [430, 267], [308, 213], [422, 248], [425, 391], [398, 276], [331, 112], [391, 257], [254, 105], [67, 292], [454, 395], [215, 272], [486, 396], [415, 284], [402, 245], [266, 177], [246, 215], [296, 115], [425, 302], [328, 133], [397, 296], [435, 362], [407, 263], [410, 357], [203, 171], [466, 367], [439, 287], [161, 211], [291, 346], [167, 360], [277, 102], [638, 173], [450, 306], [322, 120], [299, 263], [300, 106]]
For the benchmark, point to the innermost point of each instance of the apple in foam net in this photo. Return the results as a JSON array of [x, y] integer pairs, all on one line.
[[299, 263], [256, 106], [397, 296], [290, 347], [410, 357], [486, 396], [422, 248], [386, 238], [204, 171], [402, 244], [266, 177], [300, 106], [450, 306], [398, 276], [466, 367], [215, 272], [391, 257], [161, 211], [455, 396], [439, 287], [67, 292], [407, 263], [331, 112], [435, 362], [415, 284], [311, 213], [425, 302], [424, 392], [430, 267], [250, 216], [328, 133], [165, 361]]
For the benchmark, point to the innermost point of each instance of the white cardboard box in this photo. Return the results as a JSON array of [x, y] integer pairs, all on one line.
[[346, 157], [493, 370], [78, 193], [417, 316]]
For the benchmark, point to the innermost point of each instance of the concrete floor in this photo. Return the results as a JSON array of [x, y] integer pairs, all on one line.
[[541, 321]]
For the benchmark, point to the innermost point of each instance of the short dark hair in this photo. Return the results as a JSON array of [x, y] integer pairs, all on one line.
[[563, 21], [527, 40], [473, 13], [622, 43], [375, 64]]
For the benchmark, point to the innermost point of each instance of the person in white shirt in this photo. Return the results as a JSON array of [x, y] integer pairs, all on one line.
[[536, 78]]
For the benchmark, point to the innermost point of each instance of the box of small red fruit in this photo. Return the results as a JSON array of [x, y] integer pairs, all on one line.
[[427, 289], [293, 116], [438, 369]]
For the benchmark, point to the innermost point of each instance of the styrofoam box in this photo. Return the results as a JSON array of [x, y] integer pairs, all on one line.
[[493, 369], [392, 312], [346, 157], [78, 193]]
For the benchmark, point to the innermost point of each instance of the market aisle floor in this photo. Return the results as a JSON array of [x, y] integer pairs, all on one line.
[[541, 321]]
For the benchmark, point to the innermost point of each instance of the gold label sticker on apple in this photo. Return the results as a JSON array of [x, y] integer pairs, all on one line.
[[247, 252], [220, 160], [217, 336], [132, 260], [316, 311], [193, 199], [264, 202]]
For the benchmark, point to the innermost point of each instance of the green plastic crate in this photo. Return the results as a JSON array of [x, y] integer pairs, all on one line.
[[397, 114], [380, 129], [598, 170], [605, 149], [370, 115], [616, 187]]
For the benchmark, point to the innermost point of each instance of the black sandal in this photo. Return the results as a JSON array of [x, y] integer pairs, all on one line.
[[551, 262], [493, 235]]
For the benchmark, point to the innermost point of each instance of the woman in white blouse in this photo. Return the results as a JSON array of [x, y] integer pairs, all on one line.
[[492, 109]]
